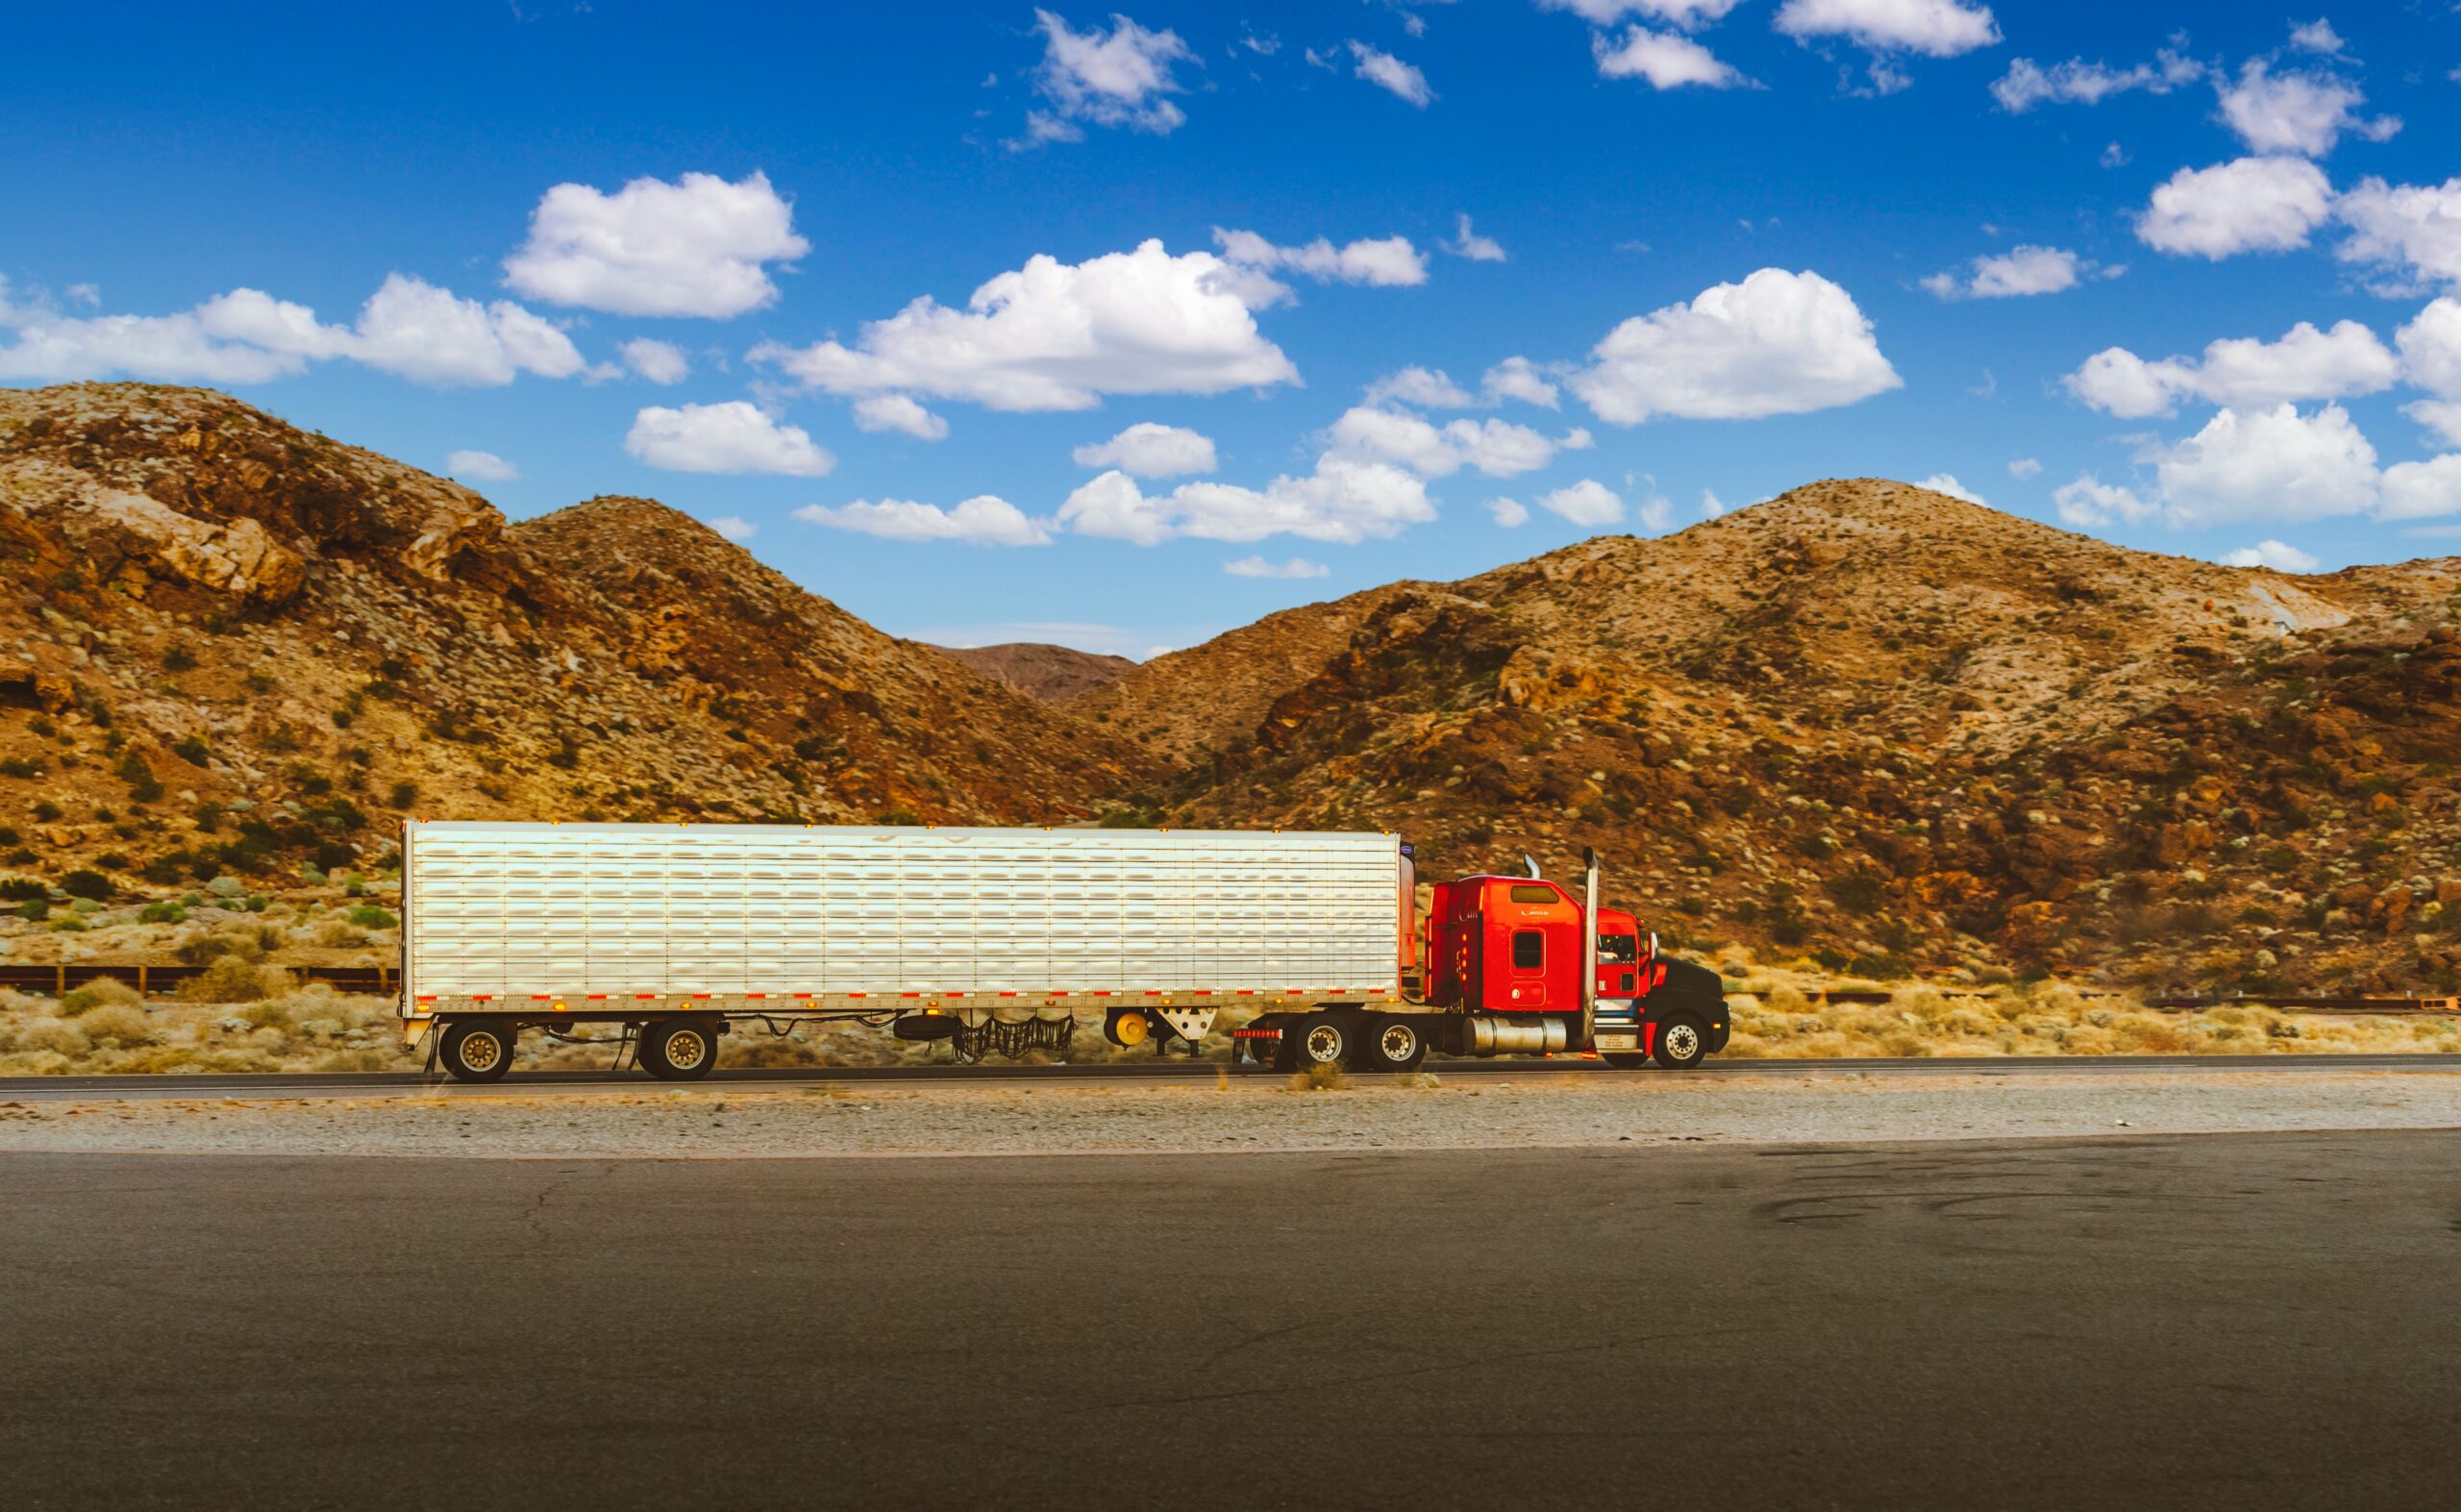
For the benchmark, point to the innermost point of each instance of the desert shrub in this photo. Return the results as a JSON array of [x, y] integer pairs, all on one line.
[[19, 766], [234, 977], [192, 749], [162, 913], [45, 811], [368, 916], [336, 935], [178, 659], [84, 883], [35, 910], [17, 889], [103, 994], [143, 786], [119, 1025], [56, 1035], [404, 795]]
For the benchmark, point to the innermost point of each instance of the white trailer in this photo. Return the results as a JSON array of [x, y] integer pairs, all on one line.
[[999, 939]]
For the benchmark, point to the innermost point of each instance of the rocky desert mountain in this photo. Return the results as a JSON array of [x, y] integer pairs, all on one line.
[[1044, 671], [1862, 720], [228, 644]]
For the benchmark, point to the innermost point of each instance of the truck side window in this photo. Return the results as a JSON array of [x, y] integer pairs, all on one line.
[[1618, 949], [1532, 892], [1528, 949]]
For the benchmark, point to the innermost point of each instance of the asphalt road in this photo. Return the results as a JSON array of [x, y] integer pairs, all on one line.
[[2224, 1322], [386, 1083]]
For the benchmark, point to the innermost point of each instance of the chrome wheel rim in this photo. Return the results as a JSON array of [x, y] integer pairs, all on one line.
[[481, 1052], [687, 1050], [1324, 1043], [1399, 1041], [1682, 1041]]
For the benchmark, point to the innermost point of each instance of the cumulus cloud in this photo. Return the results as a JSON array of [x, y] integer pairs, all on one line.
[[1147, 449], [1510, 514], [1494, 447], [2088, 502], [2247, 204], [2419, 490], [408, 328], [984, 520], [1934, 28], [1516, 378], [1388, 261], [659, 361], [2305, 364], [698, 246], [1121, 77], [1947, 482], [1587, 503], [1390, 73], [1665, 60], [1341, 501], [2016, 272], [1776, 344], [2442, 416], [1258, 567], [2415, 229], [898, 412], [1059, 335], [734, 528], [1468, 243], [2267, 464], [730, 437], [2279, 556], [2431, 348], [2297, 110], [472, 467], [2025, 467], [1688, 15], [2028, 83]]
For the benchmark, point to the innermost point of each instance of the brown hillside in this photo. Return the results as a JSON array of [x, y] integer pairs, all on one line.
[[1053, 673], [232, 645], [1876, 720]]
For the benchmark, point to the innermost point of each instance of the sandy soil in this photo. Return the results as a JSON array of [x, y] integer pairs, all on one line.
[[1242, 1115]]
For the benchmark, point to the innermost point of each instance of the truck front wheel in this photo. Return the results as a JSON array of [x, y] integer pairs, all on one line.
[[477, 1052], [1681, 1044], [679, 1049]]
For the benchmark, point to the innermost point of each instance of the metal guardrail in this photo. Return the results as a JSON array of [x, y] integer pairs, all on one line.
[[2357, 1006], [151, 978]]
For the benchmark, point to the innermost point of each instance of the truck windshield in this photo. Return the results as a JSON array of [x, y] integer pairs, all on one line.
[[1619, 949]]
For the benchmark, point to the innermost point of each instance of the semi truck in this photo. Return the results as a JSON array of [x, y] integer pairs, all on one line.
[[1316, 945]]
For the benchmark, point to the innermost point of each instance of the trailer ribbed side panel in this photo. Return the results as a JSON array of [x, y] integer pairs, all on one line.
[[517, 911]]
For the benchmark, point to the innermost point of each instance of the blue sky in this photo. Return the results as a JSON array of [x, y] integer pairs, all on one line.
[[1236, 346]]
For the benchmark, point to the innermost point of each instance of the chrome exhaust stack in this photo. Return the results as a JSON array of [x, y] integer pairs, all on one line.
[[1589, 950]]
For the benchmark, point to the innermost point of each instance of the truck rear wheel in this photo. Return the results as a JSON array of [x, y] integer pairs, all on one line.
[[477, 1052], [1681, 1044], [1325, 1040], [1394, 1045], [679, 1049]]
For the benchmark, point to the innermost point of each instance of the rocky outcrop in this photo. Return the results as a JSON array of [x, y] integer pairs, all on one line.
[[237, 558]]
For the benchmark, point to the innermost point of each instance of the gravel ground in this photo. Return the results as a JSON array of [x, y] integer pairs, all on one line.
[[1422, 1113]]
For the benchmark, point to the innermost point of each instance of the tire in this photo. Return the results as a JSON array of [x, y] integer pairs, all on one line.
[[1682, 1042], [679, 1049], [1625, 1059], [1393, 1044], [1326, 1039], [480, 1052]]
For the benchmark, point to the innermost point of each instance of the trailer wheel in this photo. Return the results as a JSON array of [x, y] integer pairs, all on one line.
[[1625, 1059], [679, 1049], [1325, 1040], [1681, 1044], [1394, 1045], [478, 1051]]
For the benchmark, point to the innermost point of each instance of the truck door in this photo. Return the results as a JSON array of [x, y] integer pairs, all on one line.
[[1526, 991]]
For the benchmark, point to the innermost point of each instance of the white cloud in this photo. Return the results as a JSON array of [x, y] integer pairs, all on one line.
[[1667, 60], [2415, 228], [408, 327], [2025, 467], [1468, 243], [2297, 112], [734, 528], [2114, 155], [1430, 387], [2305, 364], [1147, 449], [694, 247], [659, 361], [2014, 273], [898, 413], [2279, 556], [1341, 501], [1934, 28], [2318, 36], [1947, 482], [1711, 505], [1258, 567], [1510, 514], [1388, 261], [1685, 13], [984, 520], [2089, 501], [1776, 344], [1389, 72], [1121, 77], [1059, 335], [729, 437], [1494, 447], [471, 466], [91, 295], [2418, 490], [2267, 464], [2028, 83], [2431, 348], [2443, 416], [2247, 204], [1517, 378], [1587, 503]]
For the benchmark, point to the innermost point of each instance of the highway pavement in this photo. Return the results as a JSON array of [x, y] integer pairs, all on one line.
[[2205, 1321]]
